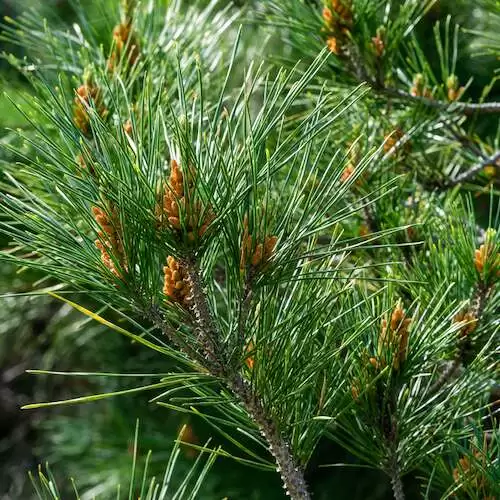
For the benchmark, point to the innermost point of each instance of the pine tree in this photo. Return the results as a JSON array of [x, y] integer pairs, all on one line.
[[292, 239]]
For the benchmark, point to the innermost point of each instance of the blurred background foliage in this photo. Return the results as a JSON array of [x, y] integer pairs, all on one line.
[[93, 442]]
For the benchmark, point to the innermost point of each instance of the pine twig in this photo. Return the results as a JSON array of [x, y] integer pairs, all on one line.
[[468, 174], [478, 303], [219, 366], [464, 108], [291, 475], [397, 484], [448, 372], [155, 316]]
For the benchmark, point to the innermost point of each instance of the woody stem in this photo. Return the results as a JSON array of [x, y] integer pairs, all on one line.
[[397, 484], [291, 474]]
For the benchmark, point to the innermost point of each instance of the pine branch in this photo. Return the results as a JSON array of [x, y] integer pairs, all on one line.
[[397, 484], [155, 316], [464, 176], [464, 108], [291, 475], [448, 373], [478, 303], [218, 363]]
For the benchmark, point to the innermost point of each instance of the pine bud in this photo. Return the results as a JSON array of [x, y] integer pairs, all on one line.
[[85, 95], [127, 127], [355, 390], [378, 42], [125, 45], [337, 17], [347, 173], [487, 256], [469, 473], [188, 436], [178, 205], [256, 256], [364, 230], [109, 242], [469, 321], [394, 337], [334, 45], [327, 16], [454, 92], [250, 360], [176, 285], [392, 139]]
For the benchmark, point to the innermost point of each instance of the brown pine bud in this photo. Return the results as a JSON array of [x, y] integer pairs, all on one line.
[[394, 144], [347, 173], [188, 436], [487, 255], [334, 45], [364, 230], [394, 337], [250, 360], [110, 243], [127, 127], [355, 390], [85, 94], [327, 16], [126, 45], [378, 46], [258, 256], [469, 320]]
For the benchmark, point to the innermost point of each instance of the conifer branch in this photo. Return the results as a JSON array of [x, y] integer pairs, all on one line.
[[448, 373], [291, 474], [478, 303], [397, 484], [159, 322], [468, 174], [465, 108], [218, 363]]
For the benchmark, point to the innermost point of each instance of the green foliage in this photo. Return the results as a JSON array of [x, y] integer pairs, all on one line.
[[288, 250]]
